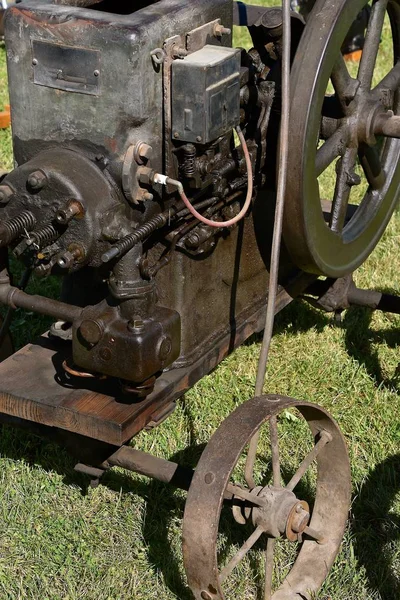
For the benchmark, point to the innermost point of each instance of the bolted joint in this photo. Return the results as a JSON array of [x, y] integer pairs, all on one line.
[[146, 176], [6, 193], [66, 260], [37, 180], [74, 209], [143, 153], [220, 30]]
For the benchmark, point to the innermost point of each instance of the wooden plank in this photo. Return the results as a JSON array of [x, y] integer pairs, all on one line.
[[34, 387]]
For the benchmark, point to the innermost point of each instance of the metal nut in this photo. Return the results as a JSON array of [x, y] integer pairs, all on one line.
[[37, 180], [6, 193], [220, 30]]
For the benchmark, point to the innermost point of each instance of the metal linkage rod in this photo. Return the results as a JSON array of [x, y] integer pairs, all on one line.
[[275, 252]]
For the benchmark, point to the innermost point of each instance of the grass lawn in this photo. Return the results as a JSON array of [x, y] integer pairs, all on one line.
[[122, 540]]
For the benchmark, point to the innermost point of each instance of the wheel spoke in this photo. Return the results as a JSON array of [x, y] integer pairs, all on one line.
[[276, 467], [345, 86], [316, 535], [244, 494], [390, 82], [269, 568], [332, 148], [345, 171], [371, 164], [239, 556], [250, 460], [325, 438], [372, 41]]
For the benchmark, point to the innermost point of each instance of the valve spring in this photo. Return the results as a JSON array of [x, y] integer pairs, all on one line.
[[11, 229], [44, 236], [128, 242], [189, 165]]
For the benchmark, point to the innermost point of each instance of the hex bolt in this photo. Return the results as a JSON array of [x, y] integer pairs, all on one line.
[[65, 215], [67, 259], [37, 180], [220, 30], [143, 152], [6, 193], [136, 325], [91, 331]]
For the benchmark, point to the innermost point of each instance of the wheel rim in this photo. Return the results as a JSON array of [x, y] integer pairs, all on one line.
[[211, 483], [339, 249]]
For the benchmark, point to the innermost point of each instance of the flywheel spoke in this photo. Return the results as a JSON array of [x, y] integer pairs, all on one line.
[[332, 148], [324, 439], [345, 173], [345, 86], [390, 82], [371, 165], [372, 41], [269, 568], [239, 556]]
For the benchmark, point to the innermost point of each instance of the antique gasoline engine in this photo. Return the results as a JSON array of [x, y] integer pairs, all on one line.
[[145, 177]]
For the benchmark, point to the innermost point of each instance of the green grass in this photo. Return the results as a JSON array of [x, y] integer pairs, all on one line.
[[122, 540]]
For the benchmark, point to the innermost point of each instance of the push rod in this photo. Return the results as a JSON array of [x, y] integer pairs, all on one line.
[[16, 298]]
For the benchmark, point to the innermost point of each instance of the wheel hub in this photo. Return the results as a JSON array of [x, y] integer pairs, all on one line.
[[281, 514]]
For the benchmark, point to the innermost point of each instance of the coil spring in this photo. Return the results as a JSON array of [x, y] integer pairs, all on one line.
[[189, 165], [11, 229], [128, 242], [44, 236]]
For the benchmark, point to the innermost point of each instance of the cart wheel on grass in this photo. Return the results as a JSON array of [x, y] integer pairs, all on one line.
[[304, 532]]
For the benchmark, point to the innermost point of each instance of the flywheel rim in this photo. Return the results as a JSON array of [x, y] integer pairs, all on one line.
[[312, 245]]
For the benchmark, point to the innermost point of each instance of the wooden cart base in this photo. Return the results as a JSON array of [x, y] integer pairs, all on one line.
[[35, 388]]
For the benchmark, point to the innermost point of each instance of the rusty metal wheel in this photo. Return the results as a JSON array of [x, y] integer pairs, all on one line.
[[343, 117], [312, 530]]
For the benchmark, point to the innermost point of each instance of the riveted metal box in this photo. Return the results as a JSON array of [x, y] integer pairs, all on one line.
[[206, 94]]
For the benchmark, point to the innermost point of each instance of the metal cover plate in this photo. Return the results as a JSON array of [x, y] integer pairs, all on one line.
[[66, 68]]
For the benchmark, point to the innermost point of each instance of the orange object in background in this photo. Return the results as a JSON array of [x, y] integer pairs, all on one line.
[[5, 118], [353, 56]]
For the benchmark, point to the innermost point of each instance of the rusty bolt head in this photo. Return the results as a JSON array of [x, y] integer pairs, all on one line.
[[143, 152], [37, 180], [6, 193], [91, 331], [145, 175], [220, 30]]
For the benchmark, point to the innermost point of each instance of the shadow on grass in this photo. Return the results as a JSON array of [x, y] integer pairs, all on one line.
[[360, 341], [375, 528], [164, 504]]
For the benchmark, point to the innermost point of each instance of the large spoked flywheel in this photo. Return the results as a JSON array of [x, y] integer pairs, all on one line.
[[344, 173]]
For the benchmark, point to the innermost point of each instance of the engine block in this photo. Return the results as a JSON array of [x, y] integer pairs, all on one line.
[[105, 96]]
